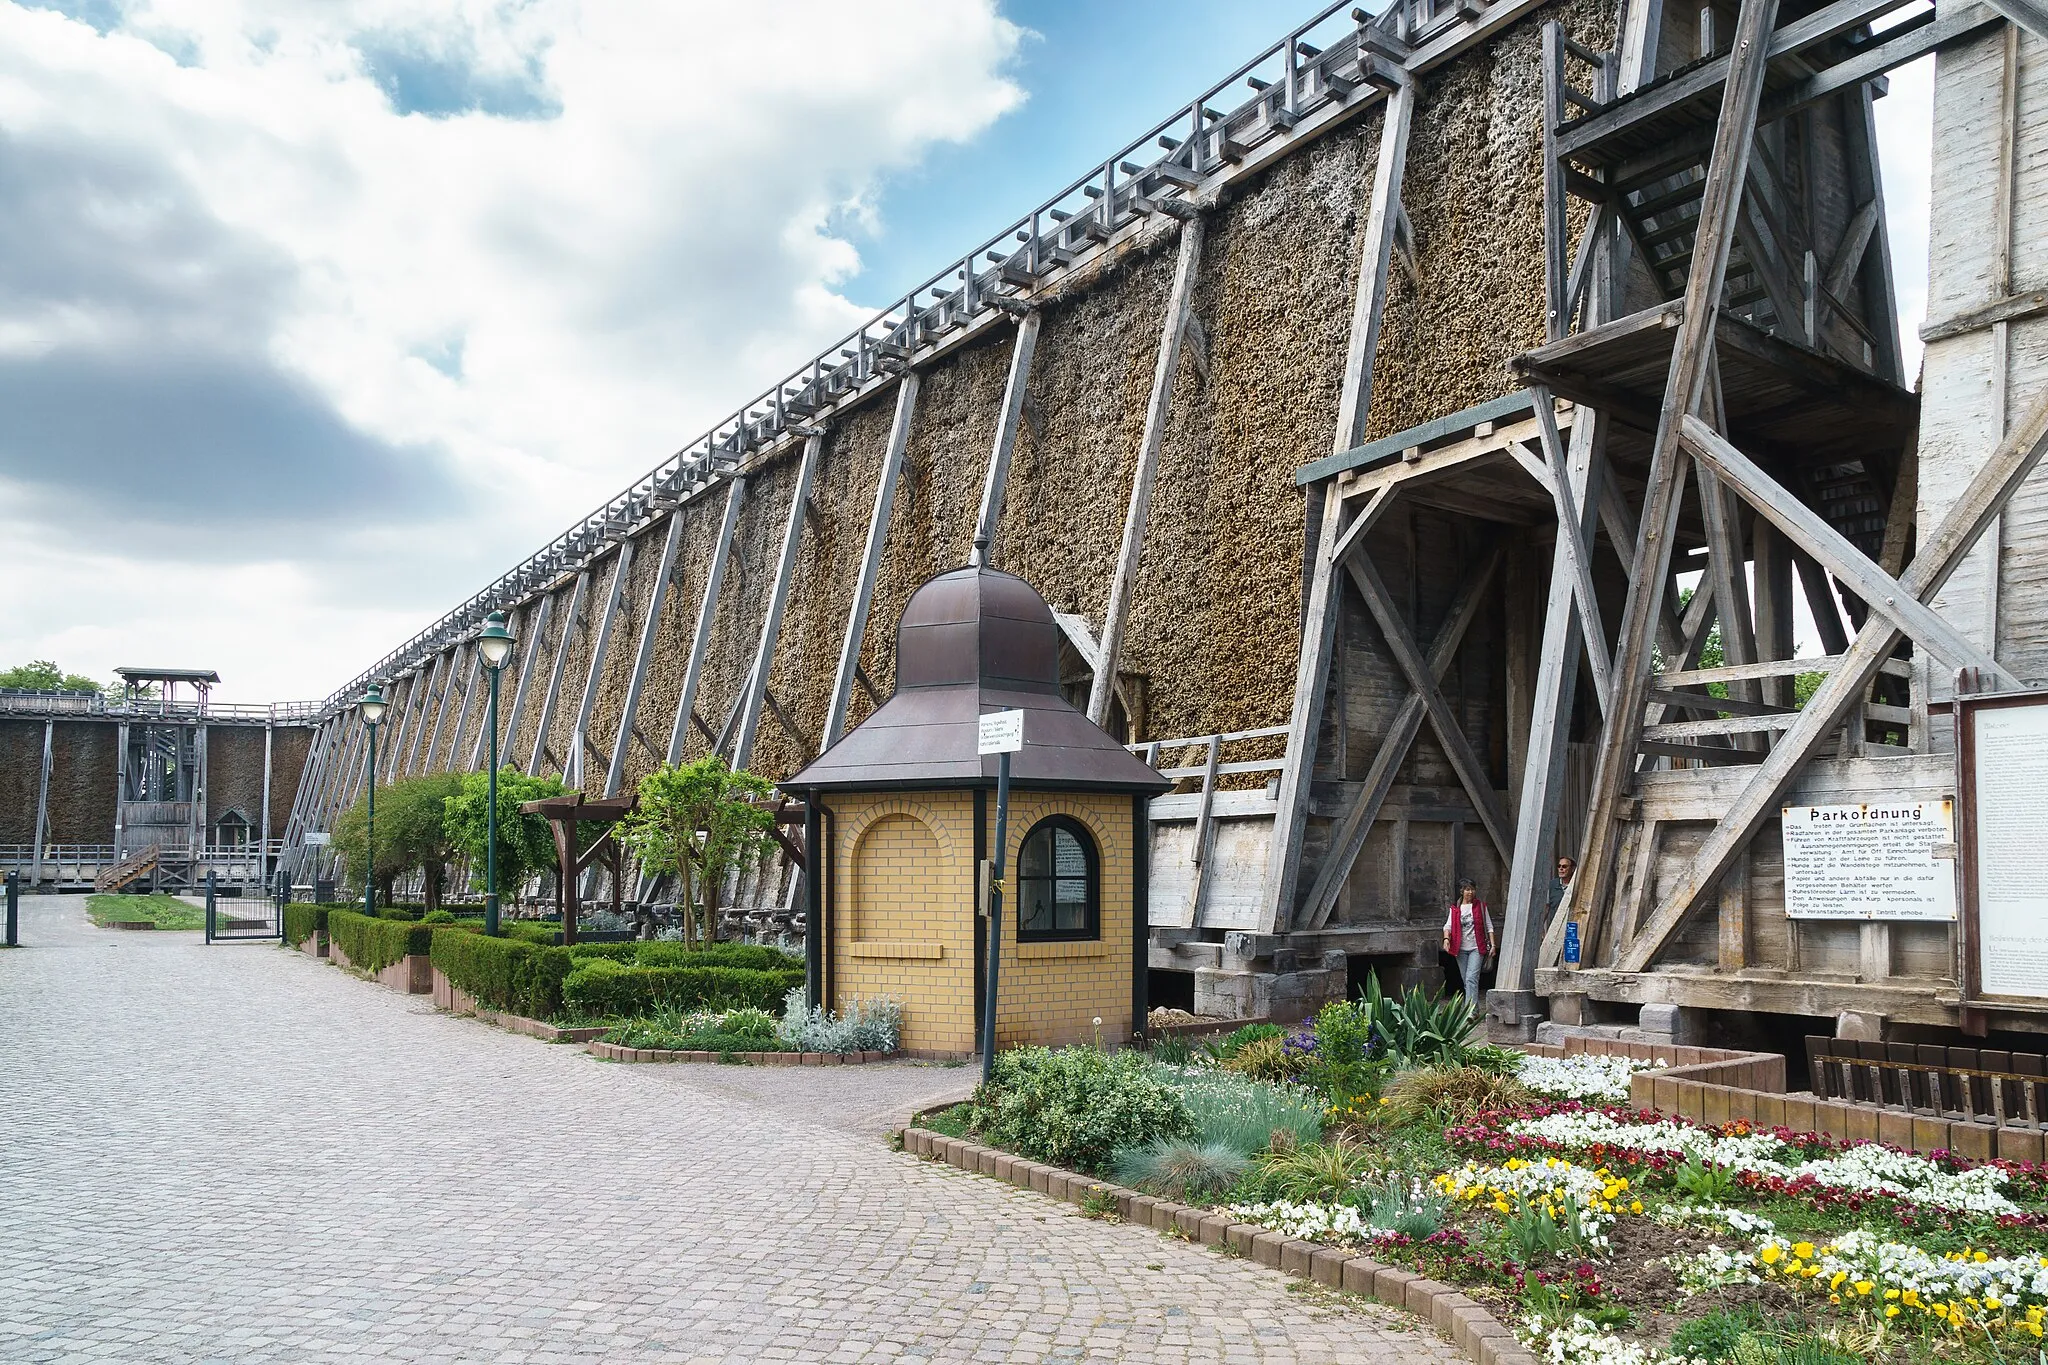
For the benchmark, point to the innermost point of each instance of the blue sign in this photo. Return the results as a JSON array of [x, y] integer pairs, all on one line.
[[1571, 941]]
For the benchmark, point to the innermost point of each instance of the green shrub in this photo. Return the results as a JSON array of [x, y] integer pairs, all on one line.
[[1320, 1171], [1233, 1043], [1713, 1336], [530, 931], [1179, 1170], [1246, 1115], [1076, 1106], [602, 988], [374, 944], [301, 922], [506, 974], [613, 952], [753, 957]]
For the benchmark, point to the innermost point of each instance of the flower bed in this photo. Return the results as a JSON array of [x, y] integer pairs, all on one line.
[[1601, 1235]]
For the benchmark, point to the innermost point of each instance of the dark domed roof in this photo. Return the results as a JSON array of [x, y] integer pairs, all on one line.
[[974, 640]]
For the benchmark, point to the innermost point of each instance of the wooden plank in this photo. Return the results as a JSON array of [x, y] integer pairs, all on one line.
[[643, 657], [1773, 586], [997, 482], [433, 701], [752, 700], [1158, 409], [1879, 590], [1204, 832], [707, 613], [571, 619], [1734, 136], [1732, 953], [43, 800], [1354, 401], [1352, 831], [469, 690], [1408, 655], [1988, 492], [600, 651], [536, 631], [1573, 534], [871, 561], [2012, 308]]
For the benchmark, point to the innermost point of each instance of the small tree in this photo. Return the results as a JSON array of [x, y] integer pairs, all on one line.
[[41, 675], [697, 823], [410, 836], [526, 844]]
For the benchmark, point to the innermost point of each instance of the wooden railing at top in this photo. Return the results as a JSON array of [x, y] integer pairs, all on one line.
[[1980, 1085]]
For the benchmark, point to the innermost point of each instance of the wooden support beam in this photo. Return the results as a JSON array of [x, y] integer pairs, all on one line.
[[1692, 354], [707, 612], [1354, 400], [1158, 409], [403, 704], [435, 700], [1573, 531], [643, 657], [1884, 595], [752, 700], [1980, 503], [469, 690], [571, 619], [1357, 822], [1821, 602], [535, 631], [600, 651], [871, 561], [1422, 681], [1773, 585], [35, 867], [997, 481]]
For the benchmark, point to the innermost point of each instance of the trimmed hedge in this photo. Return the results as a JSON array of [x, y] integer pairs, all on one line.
[[301, 922], [753, 957], [506, 974], [374, 944], [601, 988]]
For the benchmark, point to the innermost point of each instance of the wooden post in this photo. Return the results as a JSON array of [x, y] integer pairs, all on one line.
[[754, 698], [535, 632], [871, 561], [35, 875], [429, 703], [579, 736], [476, 674], [1727, 172], [1368, 305], [1773, 604], [707, 611], [263, 829], [404, 707], [570, 620], [997, 482], [1158, 409], [1979, 504], [120, 791], [650, 628]]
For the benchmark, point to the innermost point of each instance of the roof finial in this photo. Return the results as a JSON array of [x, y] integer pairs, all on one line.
[[980, 556]]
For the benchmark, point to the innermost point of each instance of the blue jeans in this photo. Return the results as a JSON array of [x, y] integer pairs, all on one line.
[[1469, 963]]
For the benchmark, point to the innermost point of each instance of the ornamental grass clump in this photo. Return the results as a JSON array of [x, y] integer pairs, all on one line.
[[1245, 1115], [1077, 1106], [1179, 1169], [1324, 1171], [861, 1026], [1451, 1094]]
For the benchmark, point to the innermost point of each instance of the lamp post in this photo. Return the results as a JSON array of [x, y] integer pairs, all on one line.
[[372, 707], [495, 644]]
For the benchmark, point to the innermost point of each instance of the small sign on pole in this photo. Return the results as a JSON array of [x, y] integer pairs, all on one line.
[[1571, 942], [317, 839], [1002, 732]]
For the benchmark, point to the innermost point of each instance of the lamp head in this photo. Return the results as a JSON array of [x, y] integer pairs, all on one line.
[[496, 641], [372, 705]]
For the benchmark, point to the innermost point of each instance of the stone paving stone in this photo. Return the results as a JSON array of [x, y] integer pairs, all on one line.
[[239, 1153]]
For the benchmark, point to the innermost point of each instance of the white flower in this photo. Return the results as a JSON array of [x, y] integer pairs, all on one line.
[[1582, 1076], [1584, 1344], [1311, 1222]]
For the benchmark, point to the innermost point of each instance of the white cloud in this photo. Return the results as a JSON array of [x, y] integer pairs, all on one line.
[[364, 354]]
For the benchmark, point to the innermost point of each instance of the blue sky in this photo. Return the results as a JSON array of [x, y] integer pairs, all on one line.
[[316, 315]]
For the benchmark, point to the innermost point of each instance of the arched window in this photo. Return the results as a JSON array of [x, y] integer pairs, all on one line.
[[1059, 883]]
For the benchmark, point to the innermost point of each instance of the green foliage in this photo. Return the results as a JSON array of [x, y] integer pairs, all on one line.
[[438, 917], [1235, 1042], [1804, 685], [1448, 1095], [508, 974], [1171, 1050], [1268, 1059], [1245, 1115], [1712, 1337], [1534, 1236], [1076, 1106], [1703, 1183], [41, 675], [602, 988], [1190, 1171], [741, 1030], [165, 912], [410, 833], [1406, 1206], [696, 823], [1326, 1171], [371, 945], [755, 957], [301, 922], [1418, 1029], [1344, 1069], [526, 843]]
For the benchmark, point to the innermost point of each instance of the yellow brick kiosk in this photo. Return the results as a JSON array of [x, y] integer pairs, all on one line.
[[902, 812]]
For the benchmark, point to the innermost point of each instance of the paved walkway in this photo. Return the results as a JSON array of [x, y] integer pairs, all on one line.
[[239, 1154]]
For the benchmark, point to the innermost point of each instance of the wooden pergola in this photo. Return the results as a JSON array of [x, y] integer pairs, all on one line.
[[564, 814]]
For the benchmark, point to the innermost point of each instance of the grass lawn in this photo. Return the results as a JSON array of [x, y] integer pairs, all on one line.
[[165, 912]]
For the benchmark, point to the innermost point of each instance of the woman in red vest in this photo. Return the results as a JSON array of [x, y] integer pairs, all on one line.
[[1468, 937]]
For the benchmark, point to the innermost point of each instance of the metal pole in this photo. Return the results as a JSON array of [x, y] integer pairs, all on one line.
[[14, 910], [209, 905], [491, 817], [995, 921], [370, 834]]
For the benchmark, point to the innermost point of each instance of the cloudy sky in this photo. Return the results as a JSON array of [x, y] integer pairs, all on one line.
[[315, 315]]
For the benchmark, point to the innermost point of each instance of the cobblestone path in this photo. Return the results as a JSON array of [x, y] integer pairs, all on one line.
[[239, 1154]]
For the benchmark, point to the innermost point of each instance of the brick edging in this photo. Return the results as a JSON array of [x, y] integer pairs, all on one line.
[[1474, 1330], [612, 1052]]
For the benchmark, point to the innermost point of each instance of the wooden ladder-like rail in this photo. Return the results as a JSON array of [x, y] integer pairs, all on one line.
[[129, 870]]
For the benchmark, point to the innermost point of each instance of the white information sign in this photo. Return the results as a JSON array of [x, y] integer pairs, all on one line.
[[2010, 814], [316, 839], [1002, 732], [1876, 860]]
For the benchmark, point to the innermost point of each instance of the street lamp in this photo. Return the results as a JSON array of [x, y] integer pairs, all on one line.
[[372, 707], [495, 644]]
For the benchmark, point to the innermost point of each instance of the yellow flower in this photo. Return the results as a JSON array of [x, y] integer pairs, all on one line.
[[1635, 1206], [1891, 1310], [1991, 1302], [1803, 1250], [1864, 1286], [1770, 1254], [1911, 1298], [1836, 1282], [2034, 1327], [1891, 1293], [1982, 1257]]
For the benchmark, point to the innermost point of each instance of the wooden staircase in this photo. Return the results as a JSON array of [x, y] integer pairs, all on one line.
[[129, 870]]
